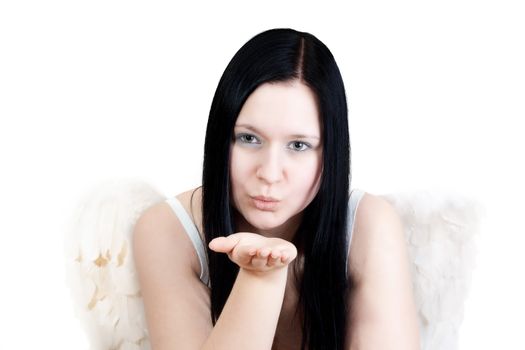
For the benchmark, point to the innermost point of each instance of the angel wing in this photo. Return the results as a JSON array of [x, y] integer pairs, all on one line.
[[440, 230], [100, 271]]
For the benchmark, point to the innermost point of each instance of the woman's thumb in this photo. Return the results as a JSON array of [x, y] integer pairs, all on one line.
[[223, 244]]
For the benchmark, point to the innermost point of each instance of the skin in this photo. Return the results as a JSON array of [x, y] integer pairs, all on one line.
[[269, 158]]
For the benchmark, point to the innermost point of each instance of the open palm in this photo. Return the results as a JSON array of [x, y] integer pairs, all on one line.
[[255, 252]]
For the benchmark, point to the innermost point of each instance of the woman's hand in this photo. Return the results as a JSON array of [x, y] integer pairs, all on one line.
[[254, 252]]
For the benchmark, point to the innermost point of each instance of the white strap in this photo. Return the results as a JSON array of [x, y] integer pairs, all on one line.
[[355, 197], [193, 233]]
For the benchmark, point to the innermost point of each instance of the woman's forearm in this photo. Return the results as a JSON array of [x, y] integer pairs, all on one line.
[[249, 317]]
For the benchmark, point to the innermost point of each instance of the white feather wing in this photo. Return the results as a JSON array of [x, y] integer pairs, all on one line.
[[441, 230], [100, 270]]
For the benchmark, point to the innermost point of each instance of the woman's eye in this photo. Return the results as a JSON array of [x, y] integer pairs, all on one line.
[[247, 138], [300, 146]]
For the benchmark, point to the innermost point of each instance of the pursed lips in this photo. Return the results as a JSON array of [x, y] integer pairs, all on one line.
[[265, 199], [265, 203]]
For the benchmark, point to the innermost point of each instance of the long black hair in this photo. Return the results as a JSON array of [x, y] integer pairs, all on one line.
[[283, 55]]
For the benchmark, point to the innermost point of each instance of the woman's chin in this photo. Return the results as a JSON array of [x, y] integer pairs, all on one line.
[[260, 221], [264, 224]]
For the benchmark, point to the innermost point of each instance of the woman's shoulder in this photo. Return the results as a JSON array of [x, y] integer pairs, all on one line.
[[377, 227], [191, 201], [371, 205], [168, 229], [369, 201]]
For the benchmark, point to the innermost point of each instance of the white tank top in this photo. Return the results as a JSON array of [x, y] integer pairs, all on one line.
[[191, 229]]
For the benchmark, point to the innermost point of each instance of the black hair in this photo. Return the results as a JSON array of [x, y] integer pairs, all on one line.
[[285, 55]]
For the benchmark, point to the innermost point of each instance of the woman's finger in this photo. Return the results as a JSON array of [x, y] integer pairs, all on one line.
[[264, 252], [259, 262], [274, 258]]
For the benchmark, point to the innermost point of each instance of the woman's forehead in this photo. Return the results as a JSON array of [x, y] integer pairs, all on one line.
[[289, 108]]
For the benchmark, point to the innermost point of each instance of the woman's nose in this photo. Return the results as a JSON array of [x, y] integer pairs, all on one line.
[[270, 168]]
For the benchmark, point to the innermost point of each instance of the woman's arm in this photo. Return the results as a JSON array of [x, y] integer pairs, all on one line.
[[383, 314], [177, 303], [250, 315]]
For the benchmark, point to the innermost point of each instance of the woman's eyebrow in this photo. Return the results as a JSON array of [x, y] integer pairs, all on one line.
[[294, 135]]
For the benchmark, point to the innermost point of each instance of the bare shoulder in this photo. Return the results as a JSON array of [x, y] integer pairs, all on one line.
[[378, 232], [159, 228], [168, 270], [380, 269]]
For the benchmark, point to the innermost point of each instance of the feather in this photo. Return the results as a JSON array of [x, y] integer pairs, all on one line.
[[440, 231], [99, 264]]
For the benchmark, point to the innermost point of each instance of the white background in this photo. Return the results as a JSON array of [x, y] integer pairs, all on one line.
[[93, 90]]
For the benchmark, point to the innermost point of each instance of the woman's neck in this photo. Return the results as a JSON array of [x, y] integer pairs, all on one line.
[[285, 231]]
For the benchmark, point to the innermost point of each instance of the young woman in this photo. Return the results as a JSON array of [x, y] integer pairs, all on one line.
[[273, 251]]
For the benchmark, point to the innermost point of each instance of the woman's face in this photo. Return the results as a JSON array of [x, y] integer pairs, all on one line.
[[277, 153]]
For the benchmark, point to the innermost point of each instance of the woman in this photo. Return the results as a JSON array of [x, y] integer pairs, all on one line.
[[275, 212]]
